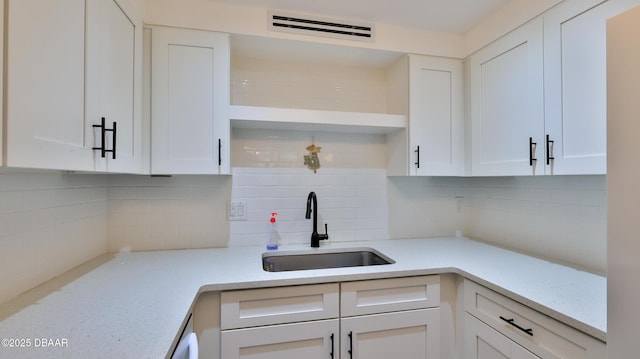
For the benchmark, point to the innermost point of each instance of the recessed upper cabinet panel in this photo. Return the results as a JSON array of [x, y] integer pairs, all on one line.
[[113, 82], [190, 100], [430, 90], [506, 102], [436, 125], [45, 119]]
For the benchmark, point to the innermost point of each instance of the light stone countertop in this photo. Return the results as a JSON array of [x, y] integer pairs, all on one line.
[[132, 305]]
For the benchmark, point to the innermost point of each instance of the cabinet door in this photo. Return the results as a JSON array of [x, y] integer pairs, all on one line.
[[114, 74], [436, 124], [576, 84], [507, 104], [308, 340], [45, 85], [190, 100], [411, 335], [483, 342]]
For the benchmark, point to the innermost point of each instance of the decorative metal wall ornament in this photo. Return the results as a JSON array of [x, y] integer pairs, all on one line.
[[312, 161]]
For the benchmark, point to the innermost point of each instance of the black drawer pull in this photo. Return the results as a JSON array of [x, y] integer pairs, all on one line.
[[350, 351], [417, 163], [512, 322], [331, 354]]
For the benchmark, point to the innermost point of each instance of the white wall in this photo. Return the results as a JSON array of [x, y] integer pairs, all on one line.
[[310, 85], [623, 110], [246, 20], [49, 223], [506, 19]]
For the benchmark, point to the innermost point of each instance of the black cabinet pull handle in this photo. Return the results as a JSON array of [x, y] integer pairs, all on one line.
[[417, 163], [219, 152], [532, 146], [331, 354], [350, 351], [103, 134], [102, 149], [113, 149], [512, 322], [549, 149]]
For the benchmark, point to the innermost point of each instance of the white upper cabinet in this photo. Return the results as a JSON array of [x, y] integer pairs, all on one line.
[[538, 95], [575, 85], [431, 91], [114, 75], [69, 63], [45, 120], [436, 122], [190, 129], [506, 104]]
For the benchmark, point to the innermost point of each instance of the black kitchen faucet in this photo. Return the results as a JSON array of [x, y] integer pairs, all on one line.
[[315, 236]]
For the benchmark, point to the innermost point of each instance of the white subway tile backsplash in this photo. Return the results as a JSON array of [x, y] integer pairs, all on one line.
[[11, 201], [286, 149], [353, 203], [179, 212], [49, 223]]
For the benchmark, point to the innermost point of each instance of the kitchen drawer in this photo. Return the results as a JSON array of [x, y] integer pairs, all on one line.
[[542, 335], [389, 295], [317, 339], [257, 307]]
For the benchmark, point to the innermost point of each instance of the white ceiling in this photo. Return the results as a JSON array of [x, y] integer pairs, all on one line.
[[455, 16]]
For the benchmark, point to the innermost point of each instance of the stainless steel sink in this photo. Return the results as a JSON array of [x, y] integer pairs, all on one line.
[[303, 260]]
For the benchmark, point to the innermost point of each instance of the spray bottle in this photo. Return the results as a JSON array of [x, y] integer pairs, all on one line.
[[272, 241]]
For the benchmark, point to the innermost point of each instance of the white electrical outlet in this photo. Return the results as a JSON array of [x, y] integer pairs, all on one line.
[[238, 210]]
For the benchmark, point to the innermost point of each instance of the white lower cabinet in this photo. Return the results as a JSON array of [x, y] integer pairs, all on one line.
[[407, 334], [483, 342], [309, 340], [517, 326], [403, 317], [347, 320]]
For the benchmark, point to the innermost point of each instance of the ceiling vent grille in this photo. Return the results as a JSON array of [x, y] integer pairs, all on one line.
[[306, 25]]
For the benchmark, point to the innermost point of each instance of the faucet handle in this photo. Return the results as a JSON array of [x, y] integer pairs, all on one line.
[[326, 233]]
